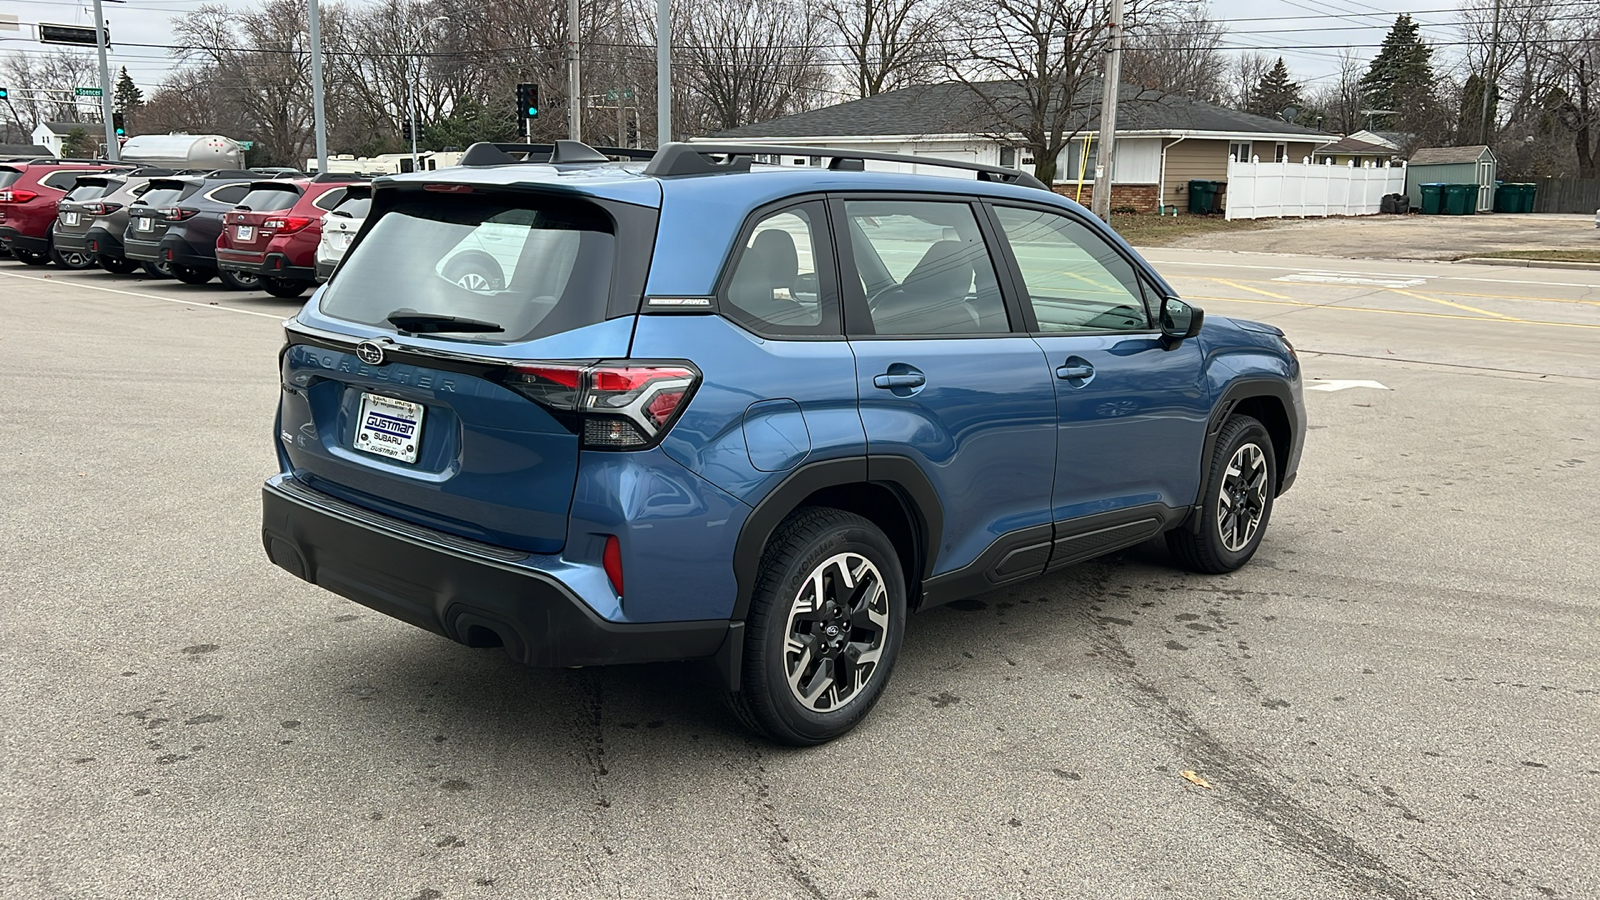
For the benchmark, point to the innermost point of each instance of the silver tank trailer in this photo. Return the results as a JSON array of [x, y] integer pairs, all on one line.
[[184, 151]]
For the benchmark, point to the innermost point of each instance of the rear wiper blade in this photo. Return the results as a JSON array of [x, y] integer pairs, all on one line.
[[429, 323]]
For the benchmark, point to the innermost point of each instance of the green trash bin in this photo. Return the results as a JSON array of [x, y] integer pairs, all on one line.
[[1460, 199], [1507, 197], [1432, 199], [1526, 192], [1203, 197]]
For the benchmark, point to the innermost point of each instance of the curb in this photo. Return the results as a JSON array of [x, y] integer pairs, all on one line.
[[1529, 263]]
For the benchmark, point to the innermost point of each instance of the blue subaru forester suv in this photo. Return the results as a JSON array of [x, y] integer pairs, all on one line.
[[603, 412]]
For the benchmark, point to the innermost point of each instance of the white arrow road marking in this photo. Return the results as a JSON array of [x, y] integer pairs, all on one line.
[[1388, 281], [1332, 385]]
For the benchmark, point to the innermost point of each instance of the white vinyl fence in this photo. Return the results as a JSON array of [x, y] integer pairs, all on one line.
[[1272, 190]]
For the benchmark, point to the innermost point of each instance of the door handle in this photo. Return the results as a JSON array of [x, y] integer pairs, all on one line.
[[900, 380], [1072, 371]]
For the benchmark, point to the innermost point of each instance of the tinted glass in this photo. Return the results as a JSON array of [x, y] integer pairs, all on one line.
[[775, 285], [8, 177], [330, 199], [161, 196], [62, 180], [534, 267], [924, 268], [90, 190], [1075, 280], [269, 199], [357, 207], [230, 193]]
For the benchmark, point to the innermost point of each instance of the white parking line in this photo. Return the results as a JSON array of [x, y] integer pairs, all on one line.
[[200, 304], [1156, 251]]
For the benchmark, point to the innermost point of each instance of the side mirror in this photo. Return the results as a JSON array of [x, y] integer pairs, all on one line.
[[1179, 321]]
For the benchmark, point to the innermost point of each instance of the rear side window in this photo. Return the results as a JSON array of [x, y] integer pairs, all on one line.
[[230, 193], [9, 177], [778, 283], [91, 190], [162, 196], [62, 180], [330, 199], [528, 266], [269, 199]]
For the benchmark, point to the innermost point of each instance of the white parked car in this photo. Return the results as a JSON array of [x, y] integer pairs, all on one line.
[[339, 228]]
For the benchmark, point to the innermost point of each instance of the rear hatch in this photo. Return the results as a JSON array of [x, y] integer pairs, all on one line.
[[483, 314], [340, 226], [263, 212], [85, 203], [153, 213]]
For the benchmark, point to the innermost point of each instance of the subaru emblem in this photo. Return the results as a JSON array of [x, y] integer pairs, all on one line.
[[370, 353]]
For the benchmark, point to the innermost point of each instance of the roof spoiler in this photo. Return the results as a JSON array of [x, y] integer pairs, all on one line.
[[715, 159], [485, 153], [327, 177]]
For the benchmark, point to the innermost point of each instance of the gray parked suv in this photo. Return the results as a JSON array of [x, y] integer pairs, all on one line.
[[90, 220]]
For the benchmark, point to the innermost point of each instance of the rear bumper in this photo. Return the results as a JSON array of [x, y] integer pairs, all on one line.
[[457, 588], [273, 265], [70, 242], [16, 240], [325, 269], [103, 242]]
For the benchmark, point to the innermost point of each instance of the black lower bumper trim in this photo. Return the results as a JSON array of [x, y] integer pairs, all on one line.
[[470, 598], [18, 241]]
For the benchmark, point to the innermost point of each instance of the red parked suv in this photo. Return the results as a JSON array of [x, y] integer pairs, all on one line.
[[29, 192], [274, 231]]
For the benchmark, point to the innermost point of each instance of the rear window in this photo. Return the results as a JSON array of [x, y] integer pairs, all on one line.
[[269, 199], [532, 266], [91, 190], [355, 207], [161, 196]]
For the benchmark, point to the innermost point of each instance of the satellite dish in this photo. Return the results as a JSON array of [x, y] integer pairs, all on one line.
[[1289, 113]]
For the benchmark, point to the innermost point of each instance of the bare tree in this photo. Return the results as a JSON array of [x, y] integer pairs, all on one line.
[[1177, 53], [60, 71], [887, 44], [1339, 100], [751, 60], [1242, 77]]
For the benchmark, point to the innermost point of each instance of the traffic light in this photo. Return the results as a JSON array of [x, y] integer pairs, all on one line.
[[405, 128], [528, 101], [119, 124], [5, 93]]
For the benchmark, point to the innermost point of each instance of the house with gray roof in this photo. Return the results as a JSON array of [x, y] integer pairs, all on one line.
[[1163, 141]]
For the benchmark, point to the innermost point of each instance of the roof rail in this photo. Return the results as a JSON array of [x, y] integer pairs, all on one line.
[[485, 153], [325, 177], [697, 159]]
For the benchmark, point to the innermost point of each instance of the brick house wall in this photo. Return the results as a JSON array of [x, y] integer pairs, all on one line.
[[1142, 197]]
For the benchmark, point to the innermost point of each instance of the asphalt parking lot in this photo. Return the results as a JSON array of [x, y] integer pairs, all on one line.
[[1398, 698]]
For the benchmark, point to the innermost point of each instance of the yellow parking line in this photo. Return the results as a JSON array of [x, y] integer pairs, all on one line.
[[1395, 312], [1241, 282], [1252, 290], [1450, 303]]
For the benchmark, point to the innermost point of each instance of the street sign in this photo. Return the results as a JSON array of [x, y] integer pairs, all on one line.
[[246, 145], [614, 96], [70, 34], [85, 92]]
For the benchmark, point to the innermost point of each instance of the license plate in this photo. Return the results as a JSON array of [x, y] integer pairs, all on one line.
[[245, 232], [147, 224], [390, 427], [69, 219]]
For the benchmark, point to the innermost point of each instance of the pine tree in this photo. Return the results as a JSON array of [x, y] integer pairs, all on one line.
[[1274, 93], [1471, 129], [1401, 80], [127, 97]]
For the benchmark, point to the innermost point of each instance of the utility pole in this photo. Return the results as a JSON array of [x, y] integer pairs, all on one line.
[[317, 115], [113, 149], [617, 78], [663, 72], [411, 115], [574, 97], [1490, 76], [1110, 86]]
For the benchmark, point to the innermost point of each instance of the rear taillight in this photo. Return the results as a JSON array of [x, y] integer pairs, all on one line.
[[17, 196], [287, 224], [101, 209], [177, 213], [612, 406]]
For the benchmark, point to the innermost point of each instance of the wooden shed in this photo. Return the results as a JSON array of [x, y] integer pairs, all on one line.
[[1453, 165]]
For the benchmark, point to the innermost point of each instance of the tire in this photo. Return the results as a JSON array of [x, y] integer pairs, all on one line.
[[31, 258], [118, 266], [287, 288], [76, 260], [192, 274], [160, 269], [819, 549], [240, 281], [1240, 483]]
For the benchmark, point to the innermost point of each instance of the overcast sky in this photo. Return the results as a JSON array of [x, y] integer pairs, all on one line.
[[1306, 33]]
